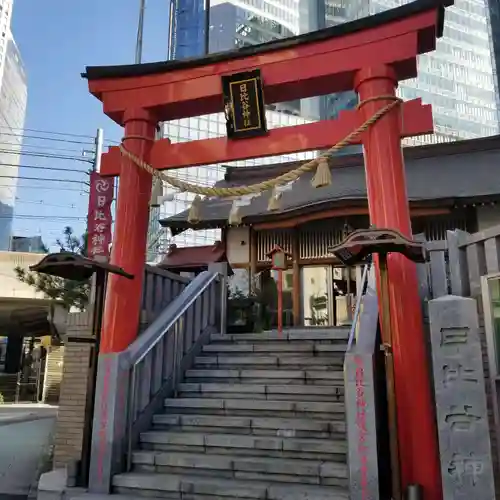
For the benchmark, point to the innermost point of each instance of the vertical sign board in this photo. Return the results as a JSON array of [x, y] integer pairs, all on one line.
[[460, 395], [244, 105], [99, 215]]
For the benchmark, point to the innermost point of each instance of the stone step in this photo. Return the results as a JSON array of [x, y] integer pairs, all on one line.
[[306, 330], [320, 335], [261, 376], [250, 468], [299, 392], [262, 361], [282, 348], [235, 444], [249, 407], [258, 426], [183, 487]]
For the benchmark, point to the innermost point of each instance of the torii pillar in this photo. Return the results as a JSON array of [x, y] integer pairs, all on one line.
[[370, 55]]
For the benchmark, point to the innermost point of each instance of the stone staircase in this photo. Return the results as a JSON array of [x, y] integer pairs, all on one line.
[[259, 416], [8, 387]]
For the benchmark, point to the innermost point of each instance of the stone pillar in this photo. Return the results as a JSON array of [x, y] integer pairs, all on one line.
[[73, 393], [460, 394]]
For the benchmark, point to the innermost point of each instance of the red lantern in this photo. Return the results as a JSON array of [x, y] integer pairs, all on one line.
[[278, 258]]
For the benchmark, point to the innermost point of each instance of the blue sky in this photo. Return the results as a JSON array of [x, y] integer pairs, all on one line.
[[57, 39]]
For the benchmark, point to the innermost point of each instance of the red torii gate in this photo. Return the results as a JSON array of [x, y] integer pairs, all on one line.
[[370, 55]]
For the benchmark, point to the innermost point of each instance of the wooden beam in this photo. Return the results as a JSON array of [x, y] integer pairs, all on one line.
[[253, 258], [283, 81], [303, 66], [296, 292], [342, 212], [416, 120]]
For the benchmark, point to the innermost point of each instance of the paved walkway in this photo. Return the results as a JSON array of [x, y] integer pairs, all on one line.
[[16, 413], [22, 446]]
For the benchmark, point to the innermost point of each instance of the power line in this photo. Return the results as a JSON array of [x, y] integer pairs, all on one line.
[[36, 217], [49, 179], [52, 188], [52, 148], [37, 131], [20, 201], [46, 138], [41, 167], [46, 155], [48, 132]]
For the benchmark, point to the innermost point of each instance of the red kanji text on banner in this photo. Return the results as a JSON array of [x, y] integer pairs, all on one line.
[[99, 215]]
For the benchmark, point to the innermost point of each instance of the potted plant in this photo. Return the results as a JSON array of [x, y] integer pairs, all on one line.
[[240, 317]]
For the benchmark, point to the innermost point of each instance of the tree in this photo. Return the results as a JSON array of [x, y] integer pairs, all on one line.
[[68, 292]]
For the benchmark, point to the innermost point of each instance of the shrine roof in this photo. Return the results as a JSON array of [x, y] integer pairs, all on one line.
[[193, 257], [369, 22], [438, 175]]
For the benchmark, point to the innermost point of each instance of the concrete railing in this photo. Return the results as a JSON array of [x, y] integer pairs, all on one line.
[[132, 385], [364, 400], [159, 289]]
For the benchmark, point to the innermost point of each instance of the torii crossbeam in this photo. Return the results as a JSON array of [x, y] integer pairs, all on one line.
[[369, 55]]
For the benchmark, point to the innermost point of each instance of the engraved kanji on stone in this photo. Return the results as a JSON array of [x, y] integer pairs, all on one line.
[[462, 467], [458, 372], [461, 418], [454, 336]]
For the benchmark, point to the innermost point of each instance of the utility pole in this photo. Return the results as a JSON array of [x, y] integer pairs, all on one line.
[[96, 303], [207, 27], [99, 139], [140, 32]]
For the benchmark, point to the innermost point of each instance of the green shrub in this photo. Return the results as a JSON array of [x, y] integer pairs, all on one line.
[[1, 399]]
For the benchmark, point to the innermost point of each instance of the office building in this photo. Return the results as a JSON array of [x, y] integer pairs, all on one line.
[[27, 244], [204, 127], [13, 102], [231, 25], [459, 77]]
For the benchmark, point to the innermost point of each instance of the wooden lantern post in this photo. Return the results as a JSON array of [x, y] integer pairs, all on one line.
[[278, 263]]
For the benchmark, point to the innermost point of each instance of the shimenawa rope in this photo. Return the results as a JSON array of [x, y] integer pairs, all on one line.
[[321, 178]]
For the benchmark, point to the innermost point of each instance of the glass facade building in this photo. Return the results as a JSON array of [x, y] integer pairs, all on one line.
[[232, 24], [204, 127], [13, 102], [459, 77]]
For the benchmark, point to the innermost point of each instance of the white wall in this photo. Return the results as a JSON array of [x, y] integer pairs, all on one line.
[[10, 286], [238, 252], [238, 245]]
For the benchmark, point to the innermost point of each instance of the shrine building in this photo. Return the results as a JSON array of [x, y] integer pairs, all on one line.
[[450, 186]]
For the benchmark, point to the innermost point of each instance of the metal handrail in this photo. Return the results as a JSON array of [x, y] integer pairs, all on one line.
[[138, 356], [145, 344], [357, 310]]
